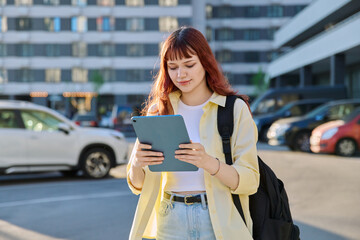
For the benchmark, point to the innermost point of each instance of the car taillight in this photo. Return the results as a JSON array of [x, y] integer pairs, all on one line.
[[93, 124], [115, 121], [78, 123]]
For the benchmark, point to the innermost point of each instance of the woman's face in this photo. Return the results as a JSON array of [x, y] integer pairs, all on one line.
[[187, 74]]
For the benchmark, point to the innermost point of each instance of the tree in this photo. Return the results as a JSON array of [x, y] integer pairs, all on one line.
[[259, 81]]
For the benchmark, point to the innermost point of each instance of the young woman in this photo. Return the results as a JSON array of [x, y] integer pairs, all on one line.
[[194, 205]]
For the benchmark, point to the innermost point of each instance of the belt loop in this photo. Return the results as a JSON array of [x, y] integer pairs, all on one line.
[[171, 201], [203, 202]]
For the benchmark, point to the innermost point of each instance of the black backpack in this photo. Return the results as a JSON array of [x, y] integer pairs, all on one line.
[[269, 206]]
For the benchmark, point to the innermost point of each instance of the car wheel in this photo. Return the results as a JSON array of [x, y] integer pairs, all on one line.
[[346, 147], [302, 142], [96, 163]]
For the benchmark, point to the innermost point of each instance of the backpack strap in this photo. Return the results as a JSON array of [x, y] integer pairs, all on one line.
[[225, 122]]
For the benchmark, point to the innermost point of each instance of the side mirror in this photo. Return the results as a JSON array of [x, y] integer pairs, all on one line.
[[320, 117], [64, 128]]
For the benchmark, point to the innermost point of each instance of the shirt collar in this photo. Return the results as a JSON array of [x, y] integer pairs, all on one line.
[[215, 98]]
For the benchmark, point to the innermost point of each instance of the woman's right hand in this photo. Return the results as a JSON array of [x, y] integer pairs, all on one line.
[[144, 157]]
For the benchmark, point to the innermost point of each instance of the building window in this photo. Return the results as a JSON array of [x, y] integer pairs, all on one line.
[[106, 2], [271, 33], [53, 75], [52, 24], [252, 12], [52, 50], [209, 34], [209, 11], [25, 50], [79, 75], [78, 2], [275, 11], [3, 51], [135, 24], [79, 24], [225, 34], [252, 57], [105, 24], [135, 75], [251, 34], [106, 50], [135, 50], [224, 56], [168, 24], [23, 24], [26, 75], [168, 3], [108, 75], [3, 76], [23, 2], [51, 2], [299, 9], [3, 24], [79, 49], [134, 3], [224, 12]]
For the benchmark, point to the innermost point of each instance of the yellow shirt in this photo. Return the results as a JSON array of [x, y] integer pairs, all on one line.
[[226, 220]]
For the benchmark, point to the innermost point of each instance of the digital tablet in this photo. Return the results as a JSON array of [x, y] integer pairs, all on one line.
[[165, 134]]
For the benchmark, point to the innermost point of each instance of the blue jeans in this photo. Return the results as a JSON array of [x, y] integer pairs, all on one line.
[[178, 221]]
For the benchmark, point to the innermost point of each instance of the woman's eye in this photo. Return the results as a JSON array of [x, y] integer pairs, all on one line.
[[172, 68], [190, 66]]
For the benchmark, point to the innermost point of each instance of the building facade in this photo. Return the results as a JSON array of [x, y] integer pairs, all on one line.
[[321, 46], [86, 55]]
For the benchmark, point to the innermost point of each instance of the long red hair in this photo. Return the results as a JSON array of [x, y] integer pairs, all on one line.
[[183, 43]]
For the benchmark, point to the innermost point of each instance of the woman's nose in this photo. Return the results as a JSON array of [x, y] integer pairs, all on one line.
[[181, 73]]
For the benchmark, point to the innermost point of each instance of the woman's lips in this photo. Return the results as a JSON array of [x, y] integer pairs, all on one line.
[[184, 82]]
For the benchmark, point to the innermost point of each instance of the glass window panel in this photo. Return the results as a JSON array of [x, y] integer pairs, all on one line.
[[51, 2], [226, 34], [224, 56], [3, 50], [168, 3], [106, 49], [275, 11], [52, 75], [79, 75], [79, 2], [225, 12], [79, 49], [79, 24], [3, 24], [209, 11], [108, 75], [23, 2], [134, 75], [52, 50], [168, 24], [253, 11], [23, 24], [26, 75], [134, 3], [105, 24], [39, 121], [52, 24], [251, 34], [106, 2], [133, 50], [3, 76], [25, 50], [135, 24], [8, 119]]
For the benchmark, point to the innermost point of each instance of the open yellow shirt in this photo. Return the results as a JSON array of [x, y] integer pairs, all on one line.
[[226, 220]]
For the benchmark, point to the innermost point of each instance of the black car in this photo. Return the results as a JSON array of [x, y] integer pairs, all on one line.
[[293, 109], [295, 132]]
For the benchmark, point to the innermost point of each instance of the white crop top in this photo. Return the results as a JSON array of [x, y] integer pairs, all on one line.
[[188, 181]]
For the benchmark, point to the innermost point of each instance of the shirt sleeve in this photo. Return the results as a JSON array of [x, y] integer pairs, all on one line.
[[244, 151], [135, 190]]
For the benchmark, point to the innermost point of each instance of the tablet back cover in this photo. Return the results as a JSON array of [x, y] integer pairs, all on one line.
[[164, 133]]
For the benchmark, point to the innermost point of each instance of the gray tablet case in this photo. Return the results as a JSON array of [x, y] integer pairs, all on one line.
[[164, 133]]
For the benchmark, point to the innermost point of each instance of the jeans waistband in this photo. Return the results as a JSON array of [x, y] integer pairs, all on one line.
[[187, 199]]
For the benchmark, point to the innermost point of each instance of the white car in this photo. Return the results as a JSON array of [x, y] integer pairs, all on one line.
[[34, 138]]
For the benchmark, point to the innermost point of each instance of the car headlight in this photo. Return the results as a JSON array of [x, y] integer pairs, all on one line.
[[329, 133], [278, 129]]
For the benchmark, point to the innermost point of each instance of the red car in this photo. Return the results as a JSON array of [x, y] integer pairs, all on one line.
[[341, 136]]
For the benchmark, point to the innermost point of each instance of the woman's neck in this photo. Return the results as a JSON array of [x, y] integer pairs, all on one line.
[[196, 98]]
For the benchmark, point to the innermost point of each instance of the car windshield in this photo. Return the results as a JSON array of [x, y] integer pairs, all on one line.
[[84, 118], [319, 110]]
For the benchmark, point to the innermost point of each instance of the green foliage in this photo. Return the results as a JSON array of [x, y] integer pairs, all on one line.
[[259, 81], [97, 80]]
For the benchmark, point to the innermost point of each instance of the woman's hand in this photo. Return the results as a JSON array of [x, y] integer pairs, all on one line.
[[144, 157], [195, 154]]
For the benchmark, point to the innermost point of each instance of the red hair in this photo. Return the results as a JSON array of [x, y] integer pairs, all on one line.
[[183, 43]]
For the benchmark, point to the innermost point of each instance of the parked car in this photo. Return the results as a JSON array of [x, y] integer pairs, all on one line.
[[295, 132], [274, 99], [34, 138], [341, 137], [121, 120], [86, 120], [293, 109]]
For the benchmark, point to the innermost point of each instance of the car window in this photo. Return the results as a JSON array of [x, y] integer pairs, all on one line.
[[340, 111], [39, 121], [286, 98], [8, 119]]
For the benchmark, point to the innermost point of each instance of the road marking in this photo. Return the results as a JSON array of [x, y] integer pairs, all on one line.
[[63, 198]]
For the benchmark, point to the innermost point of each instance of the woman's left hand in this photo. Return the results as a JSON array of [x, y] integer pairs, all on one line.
[[193, 153]]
